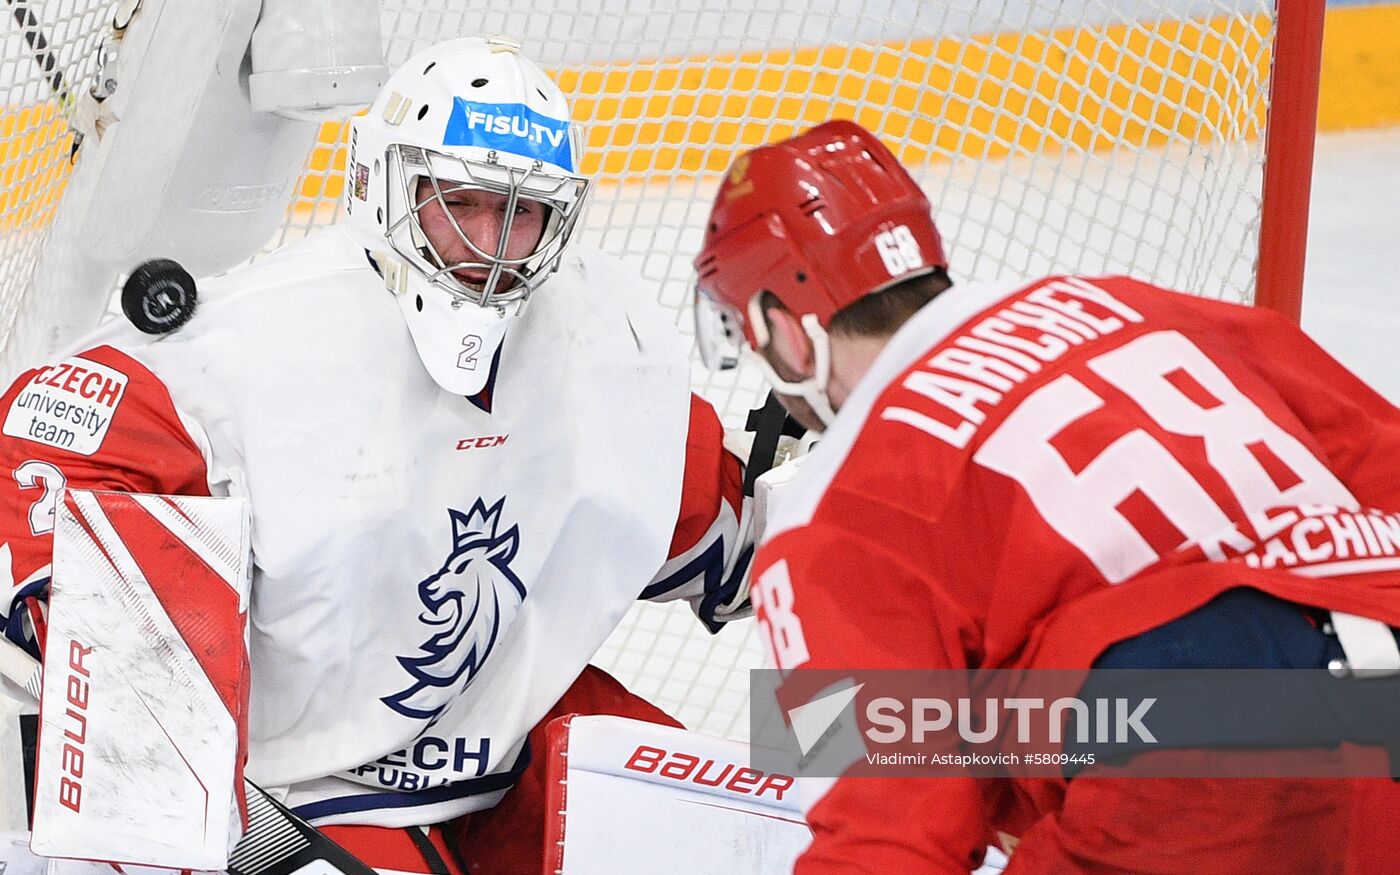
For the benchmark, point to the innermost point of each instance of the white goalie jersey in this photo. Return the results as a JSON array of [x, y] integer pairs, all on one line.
[[431, 571]]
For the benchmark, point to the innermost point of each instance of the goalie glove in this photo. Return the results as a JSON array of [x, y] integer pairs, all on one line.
[[711, 570], [768, 449], [772, 447], [775, 439]]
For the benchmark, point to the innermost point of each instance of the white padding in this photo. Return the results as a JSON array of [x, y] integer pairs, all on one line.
[[1369, 644], [15, 856], [640, 798], [316, 58]]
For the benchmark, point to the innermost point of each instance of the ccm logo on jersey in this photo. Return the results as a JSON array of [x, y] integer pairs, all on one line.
[[482, 443], [688, 768], [70, 786], [69, 405]]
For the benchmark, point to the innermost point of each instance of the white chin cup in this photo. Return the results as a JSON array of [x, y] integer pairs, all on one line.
[[457, 340], [813, 389]]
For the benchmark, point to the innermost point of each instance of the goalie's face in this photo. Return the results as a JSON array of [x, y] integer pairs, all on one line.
[[470, 229], [463, 185]]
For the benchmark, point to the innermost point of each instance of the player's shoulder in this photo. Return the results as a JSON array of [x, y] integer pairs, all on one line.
[[287, 288], [1214, 319], [974, 350], [604, 286], [590, 264], [860, 449], [256, 325], [319, 263], [84, 402], [907, 428], [602, 276]]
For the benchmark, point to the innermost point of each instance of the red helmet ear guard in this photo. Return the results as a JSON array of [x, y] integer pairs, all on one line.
[[820, 220]]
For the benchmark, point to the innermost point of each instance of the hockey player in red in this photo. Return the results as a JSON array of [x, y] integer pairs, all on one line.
[[1058, 473], [454, 500]]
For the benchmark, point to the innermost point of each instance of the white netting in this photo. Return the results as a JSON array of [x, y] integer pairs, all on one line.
[[1051, 135], [47, 49]]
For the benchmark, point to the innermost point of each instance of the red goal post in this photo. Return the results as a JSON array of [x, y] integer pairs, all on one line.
[[1288, 164]]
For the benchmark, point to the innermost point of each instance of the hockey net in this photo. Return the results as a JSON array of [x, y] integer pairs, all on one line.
[[1088, 136]]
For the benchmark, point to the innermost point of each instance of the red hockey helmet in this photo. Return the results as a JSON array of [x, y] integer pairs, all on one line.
[[820, 220]]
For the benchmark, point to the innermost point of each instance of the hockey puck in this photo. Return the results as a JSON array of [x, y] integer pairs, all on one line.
[[159, 296]]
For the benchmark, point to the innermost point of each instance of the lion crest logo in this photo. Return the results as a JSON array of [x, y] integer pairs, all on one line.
[[467, 603]]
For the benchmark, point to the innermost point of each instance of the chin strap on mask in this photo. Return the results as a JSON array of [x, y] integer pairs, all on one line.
[[813, 389]]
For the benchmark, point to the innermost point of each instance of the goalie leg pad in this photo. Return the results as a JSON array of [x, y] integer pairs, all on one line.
[[514, 836], [635, 798]]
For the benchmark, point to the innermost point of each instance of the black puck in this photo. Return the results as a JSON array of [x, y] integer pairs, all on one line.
[[159, 296]]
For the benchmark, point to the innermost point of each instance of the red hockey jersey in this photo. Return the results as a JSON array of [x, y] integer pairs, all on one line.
[[1030, 473]]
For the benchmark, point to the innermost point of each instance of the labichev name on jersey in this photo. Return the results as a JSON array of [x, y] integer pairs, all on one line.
[[975, 369]]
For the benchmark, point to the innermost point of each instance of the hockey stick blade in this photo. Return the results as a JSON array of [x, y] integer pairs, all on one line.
[[280, 843], [277, 841], [40, 51], [44, 56]]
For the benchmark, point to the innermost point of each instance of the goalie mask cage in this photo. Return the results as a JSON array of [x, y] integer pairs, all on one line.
[[1087, 136]]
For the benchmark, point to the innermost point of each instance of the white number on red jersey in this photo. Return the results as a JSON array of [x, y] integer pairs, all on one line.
[[34, 475], [780, 627], [1156, 371]]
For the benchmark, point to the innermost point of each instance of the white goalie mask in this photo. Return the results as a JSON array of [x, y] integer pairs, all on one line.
[[466, 116]]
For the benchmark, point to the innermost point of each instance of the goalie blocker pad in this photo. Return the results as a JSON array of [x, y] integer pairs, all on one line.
[[142, 720], [634, 798]]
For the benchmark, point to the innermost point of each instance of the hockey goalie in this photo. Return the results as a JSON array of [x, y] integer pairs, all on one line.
[[466, 445]]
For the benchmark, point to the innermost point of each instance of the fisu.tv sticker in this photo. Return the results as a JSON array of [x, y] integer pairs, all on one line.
[[69, 405], [509, 127]]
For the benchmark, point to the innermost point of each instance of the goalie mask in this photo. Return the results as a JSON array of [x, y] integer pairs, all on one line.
[[818, 221], [466, 129]]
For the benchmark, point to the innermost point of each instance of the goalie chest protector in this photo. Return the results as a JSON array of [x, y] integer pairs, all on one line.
[[430, 576]]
